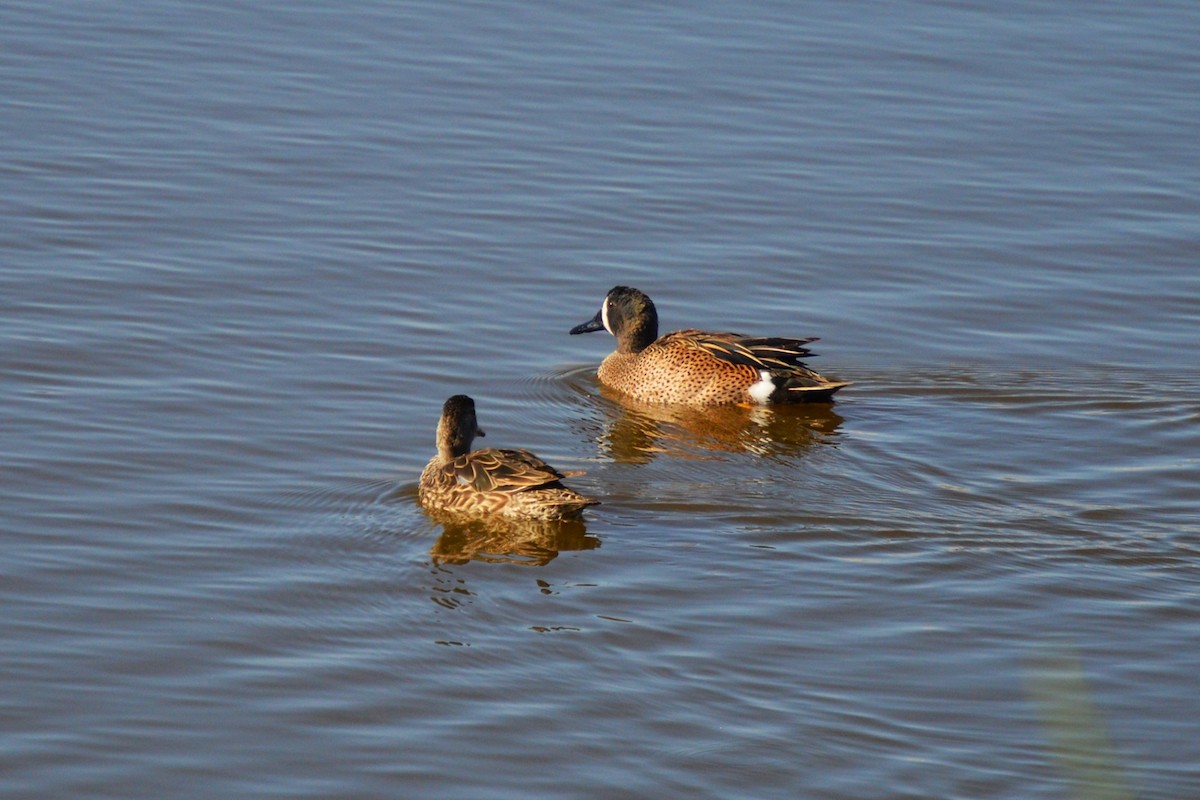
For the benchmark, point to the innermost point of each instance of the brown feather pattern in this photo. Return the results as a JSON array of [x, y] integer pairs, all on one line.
[[695, 367], [493, 470], [491, 481]]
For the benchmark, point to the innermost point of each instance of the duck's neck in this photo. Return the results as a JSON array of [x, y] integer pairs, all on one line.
[[641, 333], [452, 442]]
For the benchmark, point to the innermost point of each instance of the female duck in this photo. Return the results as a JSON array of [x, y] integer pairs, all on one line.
[[698, 368], [508, 483]]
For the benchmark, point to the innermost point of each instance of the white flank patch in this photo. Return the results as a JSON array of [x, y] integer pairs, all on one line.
[[762, 391]]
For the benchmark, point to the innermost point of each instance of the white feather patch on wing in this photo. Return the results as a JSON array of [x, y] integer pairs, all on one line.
[[763, 389]]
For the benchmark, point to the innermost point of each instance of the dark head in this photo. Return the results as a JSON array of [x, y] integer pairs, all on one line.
[[628, 315], [457, 427]]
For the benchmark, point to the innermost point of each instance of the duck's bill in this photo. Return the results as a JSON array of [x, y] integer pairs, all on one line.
[[596, 323]]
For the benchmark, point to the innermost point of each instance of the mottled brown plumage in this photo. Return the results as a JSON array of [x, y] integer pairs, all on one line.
[[696, 367], [510, 483]]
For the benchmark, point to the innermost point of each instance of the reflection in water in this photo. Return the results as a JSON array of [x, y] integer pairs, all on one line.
[[495, 540], [635, 431], [1074, 726]]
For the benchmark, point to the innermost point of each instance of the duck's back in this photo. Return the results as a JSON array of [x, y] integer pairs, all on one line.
[[512, 483]]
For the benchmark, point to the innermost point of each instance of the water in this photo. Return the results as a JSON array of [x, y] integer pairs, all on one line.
[[248, 250]]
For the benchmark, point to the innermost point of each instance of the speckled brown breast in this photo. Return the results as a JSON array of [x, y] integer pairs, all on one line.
[[675, 370], [699, 368]]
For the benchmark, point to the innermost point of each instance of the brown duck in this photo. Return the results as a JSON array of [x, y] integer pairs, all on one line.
[[696, 367], [491, 482]]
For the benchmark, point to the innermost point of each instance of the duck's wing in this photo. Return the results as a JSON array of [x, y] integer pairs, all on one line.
[[757, 352], [494, 470]]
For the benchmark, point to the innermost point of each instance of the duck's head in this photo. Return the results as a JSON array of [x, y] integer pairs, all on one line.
[[627, 314], [457, 427]]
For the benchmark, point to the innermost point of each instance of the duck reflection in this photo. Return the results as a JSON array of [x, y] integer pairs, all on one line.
[[507, 541], [635, 432]]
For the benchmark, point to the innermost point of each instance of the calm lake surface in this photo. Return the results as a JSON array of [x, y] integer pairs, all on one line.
[[248, 249]]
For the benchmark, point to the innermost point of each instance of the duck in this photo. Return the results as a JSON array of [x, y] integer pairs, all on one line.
[[700, 368], [491, 482]]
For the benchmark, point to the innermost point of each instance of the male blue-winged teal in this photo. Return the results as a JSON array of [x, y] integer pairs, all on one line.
[[509, 483], [696, 367]]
